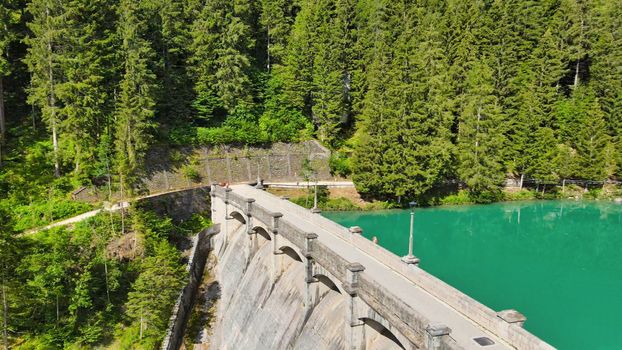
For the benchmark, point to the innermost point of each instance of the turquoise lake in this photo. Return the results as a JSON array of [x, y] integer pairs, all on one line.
[[557, 262]]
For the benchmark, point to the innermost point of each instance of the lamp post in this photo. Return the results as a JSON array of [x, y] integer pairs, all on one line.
[[315, 209], [410, 258]]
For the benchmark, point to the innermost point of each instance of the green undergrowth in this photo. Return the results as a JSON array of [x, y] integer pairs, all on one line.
[[107, 276], [42, 213], [325, 202]]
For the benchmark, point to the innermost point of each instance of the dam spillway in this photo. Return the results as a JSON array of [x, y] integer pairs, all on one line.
[[291, 279]]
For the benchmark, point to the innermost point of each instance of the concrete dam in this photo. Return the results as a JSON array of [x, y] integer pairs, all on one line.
[[292, 279]]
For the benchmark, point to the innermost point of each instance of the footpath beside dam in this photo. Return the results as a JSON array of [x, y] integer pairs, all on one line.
[[291, 279]]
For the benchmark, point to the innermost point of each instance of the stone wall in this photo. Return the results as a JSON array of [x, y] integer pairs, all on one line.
[[179, 205], [280, 162], [185, 301], [167, 169]]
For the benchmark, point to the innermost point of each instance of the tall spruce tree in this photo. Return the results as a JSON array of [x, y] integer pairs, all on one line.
[[84, 97], [153, 293], [135, 108], [169, 35], [46, 53], [222, 46], [480, 133], [407, 147], [9, 259], [277, 17], [297, 74], [6, 37]]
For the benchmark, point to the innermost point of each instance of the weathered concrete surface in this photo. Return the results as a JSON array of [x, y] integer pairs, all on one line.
[[254, 314], [186, 299], [270, 284]]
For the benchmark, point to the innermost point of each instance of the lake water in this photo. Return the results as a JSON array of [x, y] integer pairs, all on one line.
[[557, 262]]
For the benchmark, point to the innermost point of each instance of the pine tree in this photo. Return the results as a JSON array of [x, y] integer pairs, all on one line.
[[407, 148], [9, 259], [135, 109], [153, 293], [45, 55], [542, 155], [480, 133], [170, 38], [582, 127], [327, 86], [6, 37], [276, 20], [606, 66], [369, 168], [222, 43], [297, 73], [83, 94]]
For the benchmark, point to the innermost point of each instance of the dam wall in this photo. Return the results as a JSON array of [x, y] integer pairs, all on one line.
[[291, 279], [254, 313]]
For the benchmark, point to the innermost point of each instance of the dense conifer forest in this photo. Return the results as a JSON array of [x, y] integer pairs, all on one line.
[[409, 95]]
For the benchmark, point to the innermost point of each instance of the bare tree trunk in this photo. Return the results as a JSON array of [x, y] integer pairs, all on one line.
[[57, 309], [122, 208], [2, 120], [106, 273], [576, 74], [268, 50], [141, 324], [576, 70], [52, 102], [5, 317], [522, 177]]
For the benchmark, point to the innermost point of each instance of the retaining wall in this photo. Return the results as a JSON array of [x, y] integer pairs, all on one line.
[[185, 301]]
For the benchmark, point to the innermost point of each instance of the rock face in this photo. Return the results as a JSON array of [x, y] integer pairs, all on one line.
[[253, 314]]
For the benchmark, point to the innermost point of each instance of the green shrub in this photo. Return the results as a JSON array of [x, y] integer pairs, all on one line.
[[339, 204], [183, 136], [523, 194], [195, 224], [593, 193], [462, 197], [191, 173], [340, 164], [484, 197]]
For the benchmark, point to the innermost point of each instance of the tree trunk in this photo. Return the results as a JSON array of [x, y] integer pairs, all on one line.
[[522, 177], [576, 70], [576, 74], [52, 103], [2, 120], [5, 317], [106, 273], [122, 208], [141, 325]]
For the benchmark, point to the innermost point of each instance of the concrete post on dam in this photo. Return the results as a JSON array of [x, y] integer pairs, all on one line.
[[327, 284]]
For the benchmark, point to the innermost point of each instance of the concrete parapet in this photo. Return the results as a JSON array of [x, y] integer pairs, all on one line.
[[512, 317], [435, 333]]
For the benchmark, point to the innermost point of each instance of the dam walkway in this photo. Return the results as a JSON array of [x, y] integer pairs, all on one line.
[[410, 293]]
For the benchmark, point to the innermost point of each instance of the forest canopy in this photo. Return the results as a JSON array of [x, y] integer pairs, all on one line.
[[408, 94]]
